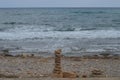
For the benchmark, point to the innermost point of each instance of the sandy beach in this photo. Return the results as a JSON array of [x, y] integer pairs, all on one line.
[[87, 39], [40, 67]]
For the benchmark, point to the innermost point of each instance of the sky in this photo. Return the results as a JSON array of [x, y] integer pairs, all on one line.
[[59, 3]]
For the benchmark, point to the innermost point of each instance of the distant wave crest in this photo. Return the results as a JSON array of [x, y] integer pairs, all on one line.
[[14, 23]]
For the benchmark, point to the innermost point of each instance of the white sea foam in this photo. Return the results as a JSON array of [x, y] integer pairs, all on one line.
[[60, 35]]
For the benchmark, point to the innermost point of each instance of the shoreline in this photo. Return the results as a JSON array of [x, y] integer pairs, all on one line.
[[69, 46]]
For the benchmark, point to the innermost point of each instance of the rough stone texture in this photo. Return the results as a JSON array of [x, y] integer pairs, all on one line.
[[69, 75], [57, 72], [97, 72]]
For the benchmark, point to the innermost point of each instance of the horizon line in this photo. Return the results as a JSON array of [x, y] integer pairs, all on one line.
[[60, 7]]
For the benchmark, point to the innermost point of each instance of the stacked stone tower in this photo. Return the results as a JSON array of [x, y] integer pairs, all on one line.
[[57, 72]]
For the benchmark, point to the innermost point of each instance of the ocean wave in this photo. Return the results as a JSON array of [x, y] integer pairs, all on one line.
[[116, 20], [93, 12], [60, 35], [2, 29], [25, 27], [75, 29], [23, 14], [86, 29], [14, 23], [89, 12], [65, 29]]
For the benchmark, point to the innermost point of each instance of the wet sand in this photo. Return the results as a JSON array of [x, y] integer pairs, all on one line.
[[42, 68]]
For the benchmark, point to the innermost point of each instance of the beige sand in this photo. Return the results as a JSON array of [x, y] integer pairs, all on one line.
[[38, 67], [62, 79]]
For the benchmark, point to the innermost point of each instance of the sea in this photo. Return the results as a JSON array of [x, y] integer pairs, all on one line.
[[77, 31]]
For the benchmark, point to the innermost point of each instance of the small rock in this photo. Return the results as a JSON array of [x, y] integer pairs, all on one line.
[[84, 76], [69, 75], [97, 72]]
